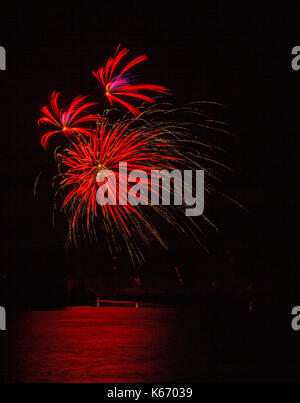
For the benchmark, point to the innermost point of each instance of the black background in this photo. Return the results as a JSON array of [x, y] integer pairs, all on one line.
[[220, 51]]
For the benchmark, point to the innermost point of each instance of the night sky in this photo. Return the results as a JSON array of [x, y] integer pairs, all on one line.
[[211, 51]]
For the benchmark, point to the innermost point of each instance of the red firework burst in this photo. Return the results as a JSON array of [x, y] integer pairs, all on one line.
[[84, 159], [119, 85], [68, 122]]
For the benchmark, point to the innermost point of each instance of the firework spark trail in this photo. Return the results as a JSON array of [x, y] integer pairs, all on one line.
[[70, 121], [119, 85], [179, 276]]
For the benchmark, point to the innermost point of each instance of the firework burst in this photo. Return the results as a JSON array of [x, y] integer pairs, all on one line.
[[153, 138], [152, 142], [117, 86], [69, 122]]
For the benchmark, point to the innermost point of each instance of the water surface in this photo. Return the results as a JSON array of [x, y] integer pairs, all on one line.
[[125, 344]]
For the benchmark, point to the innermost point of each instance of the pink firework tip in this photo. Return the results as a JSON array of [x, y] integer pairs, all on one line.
[[69, 122], [118, 85]]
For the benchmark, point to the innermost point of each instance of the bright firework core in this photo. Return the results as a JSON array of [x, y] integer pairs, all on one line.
[[156, 183]]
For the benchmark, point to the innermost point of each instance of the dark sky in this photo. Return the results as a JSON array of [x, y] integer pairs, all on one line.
[[216, 51]]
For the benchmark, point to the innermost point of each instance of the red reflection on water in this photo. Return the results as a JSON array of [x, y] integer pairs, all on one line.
[[85, 344]]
